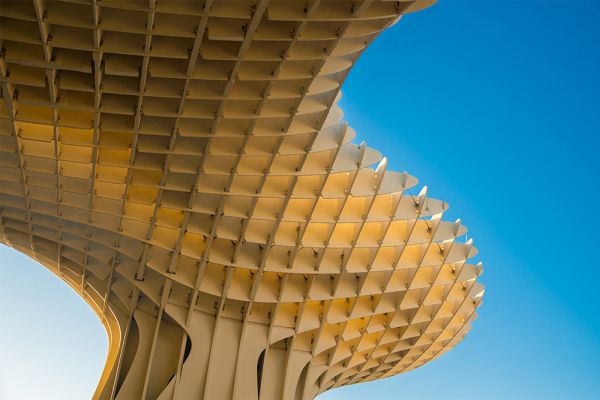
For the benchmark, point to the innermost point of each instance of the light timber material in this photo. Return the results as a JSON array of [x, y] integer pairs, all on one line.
[[183, 165]]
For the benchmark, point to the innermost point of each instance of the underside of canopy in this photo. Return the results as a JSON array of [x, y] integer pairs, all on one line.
[[183, 165]]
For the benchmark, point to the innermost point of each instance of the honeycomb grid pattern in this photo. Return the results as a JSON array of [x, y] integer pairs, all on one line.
[[184, 166]]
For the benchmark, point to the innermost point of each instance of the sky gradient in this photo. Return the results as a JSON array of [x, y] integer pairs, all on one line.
[[495, 106]]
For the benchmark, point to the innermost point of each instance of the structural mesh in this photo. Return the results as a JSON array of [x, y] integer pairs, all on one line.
[[183, 165]]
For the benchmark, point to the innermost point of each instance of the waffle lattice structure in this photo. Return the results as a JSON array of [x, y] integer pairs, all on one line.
[[183, 165]]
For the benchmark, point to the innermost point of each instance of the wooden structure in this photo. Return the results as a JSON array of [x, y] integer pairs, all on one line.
[[184, 167]]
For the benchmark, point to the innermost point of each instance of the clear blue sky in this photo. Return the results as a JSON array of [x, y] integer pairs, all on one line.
[[496, 107]]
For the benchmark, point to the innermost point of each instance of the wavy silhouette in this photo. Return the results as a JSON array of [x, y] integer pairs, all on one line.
[[185, 168]]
